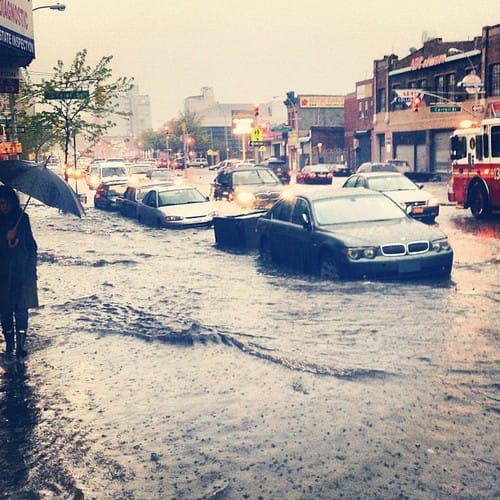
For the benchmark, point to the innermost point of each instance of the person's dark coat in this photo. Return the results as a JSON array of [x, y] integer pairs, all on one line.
[[18, 279]]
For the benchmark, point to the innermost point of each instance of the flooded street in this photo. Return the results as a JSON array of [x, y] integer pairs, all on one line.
[[162, 366]]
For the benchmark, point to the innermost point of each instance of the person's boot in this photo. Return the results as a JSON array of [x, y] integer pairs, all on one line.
[[9, 342], [20, 339]]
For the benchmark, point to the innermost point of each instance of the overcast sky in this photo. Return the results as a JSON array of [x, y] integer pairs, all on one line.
[[246, 50]]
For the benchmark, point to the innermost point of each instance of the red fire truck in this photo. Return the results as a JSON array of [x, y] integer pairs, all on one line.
[[475, 176]]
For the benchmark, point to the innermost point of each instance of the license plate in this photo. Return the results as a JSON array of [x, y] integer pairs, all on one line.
[[418, 210], [411, 266]]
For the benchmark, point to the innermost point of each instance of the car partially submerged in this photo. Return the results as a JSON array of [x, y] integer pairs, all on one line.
[[351, 233], [411, 197], [249, 186], [175, 206]]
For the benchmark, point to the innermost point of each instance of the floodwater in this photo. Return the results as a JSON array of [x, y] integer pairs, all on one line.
[[162, 366]]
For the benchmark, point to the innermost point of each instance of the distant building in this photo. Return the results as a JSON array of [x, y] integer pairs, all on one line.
[[138, 107], [217, 119], [317, 129]]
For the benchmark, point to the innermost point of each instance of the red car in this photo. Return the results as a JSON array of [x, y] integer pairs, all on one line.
[[162, 163], [315, 174]]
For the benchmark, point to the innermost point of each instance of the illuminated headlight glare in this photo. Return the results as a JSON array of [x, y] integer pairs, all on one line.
[[245, 198], [439, 245]]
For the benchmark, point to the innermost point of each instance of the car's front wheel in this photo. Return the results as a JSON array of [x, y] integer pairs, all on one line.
[[328, 267]]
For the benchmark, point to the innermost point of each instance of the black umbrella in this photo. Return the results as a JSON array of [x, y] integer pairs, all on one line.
[[39, 182]]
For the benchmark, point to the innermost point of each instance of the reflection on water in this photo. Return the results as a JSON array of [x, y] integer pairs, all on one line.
[[18, 417]]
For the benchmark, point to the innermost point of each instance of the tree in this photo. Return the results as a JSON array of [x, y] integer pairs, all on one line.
[[153, 140], [79, 100], [189, 123]]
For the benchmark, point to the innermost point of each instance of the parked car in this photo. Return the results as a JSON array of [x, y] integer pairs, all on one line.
[[138, 172], [127, 203], [403, 166], [106, 194], [351, 233], [162, 162], [198, 162], [178, 163], [250, 187], [418, 203], [339, 169], [105, 171], [164, 175], [315, 174], [376, 167], [279, 167], [224, 164], [175, 206]]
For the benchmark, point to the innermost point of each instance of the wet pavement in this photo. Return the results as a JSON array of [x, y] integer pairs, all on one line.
[[162, 366]]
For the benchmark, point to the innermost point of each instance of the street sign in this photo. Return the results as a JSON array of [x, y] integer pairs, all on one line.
[[256, 135], [478, 108], [257, 143], [66, 94], [445, 109]]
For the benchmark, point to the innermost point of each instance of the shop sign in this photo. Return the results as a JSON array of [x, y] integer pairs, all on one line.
[[16, 26], [421, 62], [321, 101]]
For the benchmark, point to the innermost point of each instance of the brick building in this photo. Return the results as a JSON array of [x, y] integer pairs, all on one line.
[[411, 106]]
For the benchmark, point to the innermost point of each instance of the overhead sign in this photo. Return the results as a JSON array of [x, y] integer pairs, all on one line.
[[16, 26], [445, 109], [408, 93]]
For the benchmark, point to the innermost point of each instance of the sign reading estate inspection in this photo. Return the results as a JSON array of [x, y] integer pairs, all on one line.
[[16, 26]]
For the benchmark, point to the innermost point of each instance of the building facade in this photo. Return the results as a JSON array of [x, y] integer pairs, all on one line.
[[420, 99], [17, 50]]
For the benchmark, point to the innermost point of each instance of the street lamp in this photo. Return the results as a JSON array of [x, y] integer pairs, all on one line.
[[472, 81], [58, 6]]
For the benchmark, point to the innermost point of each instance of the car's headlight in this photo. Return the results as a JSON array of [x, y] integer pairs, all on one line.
[[245, 198], [356, 253], [441, 244]]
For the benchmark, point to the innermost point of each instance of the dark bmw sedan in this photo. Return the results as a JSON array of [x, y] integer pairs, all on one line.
[[352, 233]]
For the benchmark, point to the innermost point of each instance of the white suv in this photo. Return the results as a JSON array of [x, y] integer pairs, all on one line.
[[109, 171]]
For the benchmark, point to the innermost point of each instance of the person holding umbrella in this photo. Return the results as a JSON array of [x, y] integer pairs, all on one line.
[[18, 259]]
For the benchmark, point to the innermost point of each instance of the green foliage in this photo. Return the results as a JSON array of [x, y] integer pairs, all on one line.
[[90, 113]]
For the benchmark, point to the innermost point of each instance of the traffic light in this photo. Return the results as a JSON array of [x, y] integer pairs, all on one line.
[[415, 104], [256, 110]]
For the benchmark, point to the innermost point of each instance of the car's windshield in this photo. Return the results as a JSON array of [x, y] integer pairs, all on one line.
[[254, 176], [355, 209], [391, 183], [114, 172], [180, 197]]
